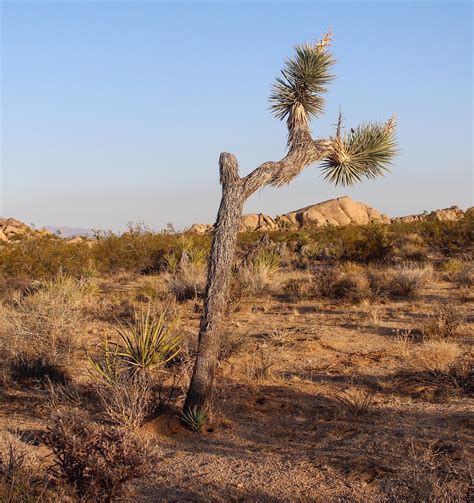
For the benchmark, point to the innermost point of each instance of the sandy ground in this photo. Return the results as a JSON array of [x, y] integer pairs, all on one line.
[[278, 430]]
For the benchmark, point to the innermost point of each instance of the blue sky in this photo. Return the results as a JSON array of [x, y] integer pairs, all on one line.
[[117, 111]]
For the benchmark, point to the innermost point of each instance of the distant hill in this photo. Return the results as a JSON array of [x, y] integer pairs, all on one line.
[[69, 232]]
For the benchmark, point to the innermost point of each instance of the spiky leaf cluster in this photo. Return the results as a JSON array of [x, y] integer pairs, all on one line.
[[367, 151], [304, 79]]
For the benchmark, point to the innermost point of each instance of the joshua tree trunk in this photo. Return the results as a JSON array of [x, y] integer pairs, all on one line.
[[220, 267], [365, 152]]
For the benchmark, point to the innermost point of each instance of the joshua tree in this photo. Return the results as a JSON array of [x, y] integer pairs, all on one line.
[[366, 151]]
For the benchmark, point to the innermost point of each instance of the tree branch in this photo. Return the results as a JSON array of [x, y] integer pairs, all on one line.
[[278, 173]]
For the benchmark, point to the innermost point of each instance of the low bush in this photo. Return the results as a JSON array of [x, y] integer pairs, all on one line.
[[436, 354], [95, 461], [39, 329], [258, 273], [348, 282], [187, 279], [443, 323], [407, 280]]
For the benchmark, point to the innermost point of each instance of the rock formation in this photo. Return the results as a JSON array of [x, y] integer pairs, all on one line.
[[13, 230], [340, 211], [451, 214]]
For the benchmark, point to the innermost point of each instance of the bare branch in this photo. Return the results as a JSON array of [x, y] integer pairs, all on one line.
[[278, 173]]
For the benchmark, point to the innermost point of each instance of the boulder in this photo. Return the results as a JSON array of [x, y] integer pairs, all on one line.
[[255, 222], [200, 229], [340, 211]]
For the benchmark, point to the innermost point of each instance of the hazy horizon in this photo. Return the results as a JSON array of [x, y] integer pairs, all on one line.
[[116, 112]]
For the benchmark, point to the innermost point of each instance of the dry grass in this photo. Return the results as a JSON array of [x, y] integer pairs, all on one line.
[[408, 280], [444, 322], [188, 280], [39, 330], [436, 354]]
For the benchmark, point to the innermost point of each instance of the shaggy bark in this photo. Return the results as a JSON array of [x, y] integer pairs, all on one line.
[[235, 191]]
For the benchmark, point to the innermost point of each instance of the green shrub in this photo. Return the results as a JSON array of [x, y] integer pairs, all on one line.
[[44, 257]]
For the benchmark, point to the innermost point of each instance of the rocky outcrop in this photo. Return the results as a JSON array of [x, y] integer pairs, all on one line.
[[450, 214], [257, 222], [13, 230], [340, 211], [253, 222], [200, 228]]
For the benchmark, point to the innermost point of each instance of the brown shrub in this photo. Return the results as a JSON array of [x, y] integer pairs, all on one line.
[[93, 460], [408, 280], [39, 329], [443, 323]]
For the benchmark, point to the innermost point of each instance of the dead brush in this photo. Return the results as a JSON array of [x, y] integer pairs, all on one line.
[[19, 477], [93, 460], [437, 385], [355, 403], [259, 367], [440, 472], [127, 401], [39, 330], [408, 280], [188, 279], [443, 323]]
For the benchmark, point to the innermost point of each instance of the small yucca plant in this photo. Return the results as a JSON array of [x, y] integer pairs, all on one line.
[[268, 260], [195, 418], [145, 344]]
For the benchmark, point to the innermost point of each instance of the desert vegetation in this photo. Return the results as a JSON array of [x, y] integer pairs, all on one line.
[[311, 363], [345, 367]]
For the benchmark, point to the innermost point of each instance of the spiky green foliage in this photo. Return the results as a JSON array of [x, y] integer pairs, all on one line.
[[297, 95], [145, 344], [195, 418], [367, 151]]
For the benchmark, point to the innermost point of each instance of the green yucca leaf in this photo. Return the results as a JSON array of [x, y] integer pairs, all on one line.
[[366, 151], [304, 79], [146, 344], [195, 418]]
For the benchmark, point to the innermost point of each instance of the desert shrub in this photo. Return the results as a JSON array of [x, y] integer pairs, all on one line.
[[129, 375], [352, 284], [440, 472], [464, 276], [142, 250], [297, 288], [44, 257], [456, 379], [95, 461], [409, 247], [258, 273], [150, 342], [187, 279], [19, 477], [260, 366], [128, 400], [348, 282], [355, 403], [407, 280], [436, 354], [443, 323], [39, 329]]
